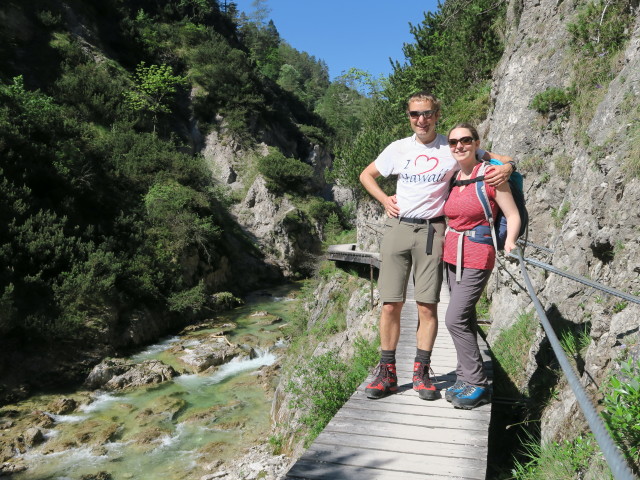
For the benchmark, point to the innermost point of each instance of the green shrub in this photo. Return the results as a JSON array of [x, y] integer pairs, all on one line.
[[192, 299], [552, 100], [622, 409], [565, 460], [320, 210], [564, 164], [284, 174], [511, 352], [174, 212], [315, 135], [558, 214], [153, 90]]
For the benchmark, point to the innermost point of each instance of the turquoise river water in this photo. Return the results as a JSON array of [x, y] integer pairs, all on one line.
[[172, 430]]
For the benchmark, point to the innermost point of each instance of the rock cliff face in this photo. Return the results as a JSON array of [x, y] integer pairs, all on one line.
[[287, 237], [582, 203]]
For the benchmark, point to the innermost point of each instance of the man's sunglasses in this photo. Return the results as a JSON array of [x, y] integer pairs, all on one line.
[[464, 141], [424, 113]]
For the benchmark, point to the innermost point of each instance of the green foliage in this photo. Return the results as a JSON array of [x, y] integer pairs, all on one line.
[[332, 229], [599, 33], [284, 174], [511, 352], [563, 164], [153, 90], [276, 442], [320, 210], [602, 27], [324, 384], [532, 164], [565, 460], [482, 307], [552, 100], [344, 108], [173, 212], [620, 306], [191, 299], [92, 218], [631, 161], [94, 91], [379, 130], [455, 48], [575, 340], [622, 410], [471, 106], [224, 301], [558, 214], [314, 135]]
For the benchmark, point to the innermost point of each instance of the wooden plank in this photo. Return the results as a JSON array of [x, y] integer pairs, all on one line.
[[312, 470], [384, 459], [420, 407], [385, 431], [401, 445], [375, 416]]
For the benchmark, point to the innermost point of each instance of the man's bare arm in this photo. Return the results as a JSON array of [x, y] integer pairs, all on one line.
[[368, 179]]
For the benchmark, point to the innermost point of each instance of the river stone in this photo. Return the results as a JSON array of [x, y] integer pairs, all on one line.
[[97, 476], [11, 468], [32, 437], [41, 419], [63, 406], [223, 328], [115, 374], [213, 353]]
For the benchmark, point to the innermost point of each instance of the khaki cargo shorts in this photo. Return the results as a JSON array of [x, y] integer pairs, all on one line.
[[404, 245]]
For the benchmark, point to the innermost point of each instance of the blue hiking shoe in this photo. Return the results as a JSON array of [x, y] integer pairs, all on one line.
[[454, 389], [471, 397]]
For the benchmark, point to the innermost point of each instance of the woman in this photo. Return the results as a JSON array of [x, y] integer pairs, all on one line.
[[464, 212]]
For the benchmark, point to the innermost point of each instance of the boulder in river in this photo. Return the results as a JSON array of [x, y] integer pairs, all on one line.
[[63, 406], [210, 352], [116, 374]]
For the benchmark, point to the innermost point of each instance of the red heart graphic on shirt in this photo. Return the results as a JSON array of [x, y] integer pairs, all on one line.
[[428, 161]]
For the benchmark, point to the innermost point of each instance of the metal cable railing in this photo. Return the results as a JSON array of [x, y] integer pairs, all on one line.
[[534, 245], [581, 279], [615, 460]]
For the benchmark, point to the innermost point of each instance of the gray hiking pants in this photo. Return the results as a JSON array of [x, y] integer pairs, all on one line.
[[462, 323]]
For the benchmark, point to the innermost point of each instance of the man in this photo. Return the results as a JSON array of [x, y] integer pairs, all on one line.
[[414, 236]]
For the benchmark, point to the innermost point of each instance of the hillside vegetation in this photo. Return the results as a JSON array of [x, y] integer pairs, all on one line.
[[112, 224]]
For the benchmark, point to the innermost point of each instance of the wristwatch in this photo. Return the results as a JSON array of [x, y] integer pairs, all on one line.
[[513, 164]]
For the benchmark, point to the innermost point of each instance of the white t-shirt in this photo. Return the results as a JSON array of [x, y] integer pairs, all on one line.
[[424, 174]]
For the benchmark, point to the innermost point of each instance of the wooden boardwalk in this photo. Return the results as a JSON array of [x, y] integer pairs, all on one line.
[[401, 436]]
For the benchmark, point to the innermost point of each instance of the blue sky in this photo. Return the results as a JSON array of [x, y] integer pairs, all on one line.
[[347, 33]]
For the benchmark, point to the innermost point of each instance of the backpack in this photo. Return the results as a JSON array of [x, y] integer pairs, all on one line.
[[496, 233]]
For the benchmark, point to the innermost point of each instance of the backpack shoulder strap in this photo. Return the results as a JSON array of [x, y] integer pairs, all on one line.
[[483, 197]]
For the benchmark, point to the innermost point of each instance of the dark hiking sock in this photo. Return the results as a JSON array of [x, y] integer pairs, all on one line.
[[423, 356], [388, 356]]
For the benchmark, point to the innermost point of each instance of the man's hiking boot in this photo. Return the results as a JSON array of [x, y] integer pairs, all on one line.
[[454, 389], [385, 381], [422, 382], [471, 397]]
